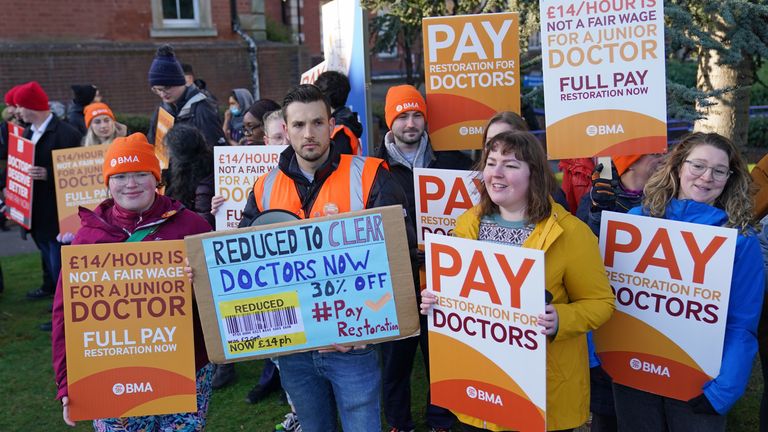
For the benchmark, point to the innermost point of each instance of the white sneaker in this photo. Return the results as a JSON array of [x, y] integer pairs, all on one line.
[[291, 423]]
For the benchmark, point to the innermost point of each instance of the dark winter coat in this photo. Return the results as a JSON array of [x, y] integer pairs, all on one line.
[[45, 217], [195, 109]]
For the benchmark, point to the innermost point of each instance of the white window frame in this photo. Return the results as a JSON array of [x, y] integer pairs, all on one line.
[[200, 26]]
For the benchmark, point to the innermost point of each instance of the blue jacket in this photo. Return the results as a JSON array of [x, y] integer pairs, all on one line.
[[746, 300]]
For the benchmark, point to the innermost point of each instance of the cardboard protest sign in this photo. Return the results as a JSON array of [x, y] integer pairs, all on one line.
[[128, 321], [604, 77], [79, 182], [236, 170], [18, 192], [442, 195], [672, 283], [487, 357], [303, 285], [165, 122], [471, 72]]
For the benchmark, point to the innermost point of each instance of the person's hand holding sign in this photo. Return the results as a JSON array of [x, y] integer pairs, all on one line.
[[65, 411], [549, 321], [38, 173], [428, 299]]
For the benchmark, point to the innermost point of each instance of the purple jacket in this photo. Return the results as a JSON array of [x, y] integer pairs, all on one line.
[[111, 224]]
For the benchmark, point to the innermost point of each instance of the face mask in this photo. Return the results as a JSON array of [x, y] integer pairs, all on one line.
[[234, 110]]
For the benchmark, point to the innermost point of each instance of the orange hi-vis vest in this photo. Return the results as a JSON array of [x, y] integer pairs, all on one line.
[[354, 141], [347, 188]]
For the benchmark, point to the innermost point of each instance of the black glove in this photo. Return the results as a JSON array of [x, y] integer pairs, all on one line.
[[701, 405], [603, 192]]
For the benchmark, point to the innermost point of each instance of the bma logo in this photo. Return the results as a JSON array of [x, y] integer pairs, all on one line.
[[129, 388], [649, 367], [123, 159], [407, 105], [613, 129], [471, 130], [484, 396]]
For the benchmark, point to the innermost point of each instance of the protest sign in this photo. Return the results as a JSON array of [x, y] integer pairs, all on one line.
[[236, 170], [442, 195], [79, 182], [604, 77], [165, 122], [471, 72], [487, 357], [311, 75], [128, 321], [303, 285], [672, 283], [18, 192]]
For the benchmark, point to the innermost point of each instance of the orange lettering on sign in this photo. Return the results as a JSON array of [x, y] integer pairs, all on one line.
[[701, 258], [611, 247], [667, 260]]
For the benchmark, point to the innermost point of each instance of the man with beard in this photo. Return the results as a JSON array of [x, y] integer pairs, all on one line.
[[406, 146], [314, 179]]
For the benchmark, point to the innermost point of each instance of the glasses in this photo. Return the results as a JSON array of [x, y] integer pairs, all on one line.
[[138, 178], [158, 90], [248, 131], [719, 173]]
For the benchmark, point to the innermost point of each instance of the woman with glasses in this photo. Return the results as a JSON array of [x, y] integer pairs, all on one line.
[[135, 212], [253, 122], [705, 180]]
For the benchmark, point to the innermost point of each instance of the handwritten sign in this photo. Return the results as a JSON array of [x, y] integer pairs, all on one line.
[[672, 283], [128, 321], [79, 182], [18, 193], [441, 196], [604, 77], [237, 169], [303, 285], [487, 356], [472, 72]]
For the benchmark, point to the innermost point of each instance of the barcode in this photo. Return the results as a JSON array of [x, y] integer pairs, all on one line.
[[260, 322]]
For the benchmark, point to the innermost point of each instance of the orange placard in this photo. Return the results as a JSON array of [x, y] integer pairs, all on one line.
[[79, 182], [128, 321], [164, 123], [472, 72]]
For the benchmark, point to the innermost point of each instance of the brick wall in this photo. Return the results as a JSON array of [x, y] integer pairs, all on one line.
[[120, 69], [116, 20]]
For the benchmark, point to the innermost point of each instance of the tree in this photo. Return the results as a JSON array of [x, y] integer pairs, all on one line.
[[729, 39], [398, 25]]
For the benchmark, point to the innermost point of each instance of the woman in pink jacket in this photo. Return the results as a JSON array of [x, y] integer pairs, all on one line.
[[138, 212]]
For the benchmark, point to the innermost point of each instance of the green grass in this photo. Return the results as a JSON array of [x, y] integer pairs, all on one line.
[[27, 390]]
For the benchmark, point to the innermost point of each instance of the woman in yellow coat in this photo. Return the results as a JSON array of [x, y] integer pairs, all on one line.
[[515, 208]]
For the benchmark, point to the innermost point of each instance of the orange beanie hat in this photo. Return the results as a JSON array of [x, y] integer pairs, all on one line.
[[400, 99], [130, 154], [622, 163], [96, 109]]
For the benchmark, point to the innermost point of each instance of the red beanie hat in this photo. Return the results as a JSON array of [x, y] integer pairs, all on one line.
[[9, 96], [622, 163], [94, 110], [31, 96], [130, 154], [400, 99]]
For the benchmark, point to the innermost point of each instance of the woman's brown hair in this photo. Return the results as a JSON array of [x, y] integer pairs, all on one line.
[[512, 119], [527, 148]]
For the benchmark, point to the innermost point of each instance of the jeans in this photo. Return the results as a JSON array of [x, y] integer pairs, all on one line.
[[353, 380], [637, 410], [397, 359], [50, 253]]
